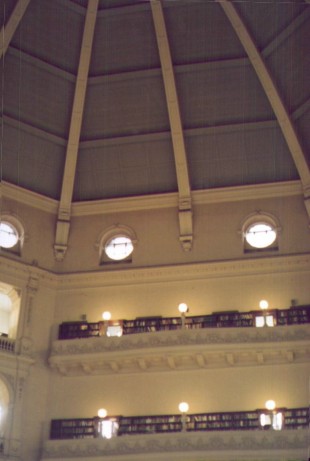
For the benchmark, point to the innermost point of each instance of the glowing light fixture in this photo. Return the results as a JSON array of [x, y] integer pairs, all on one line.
[[273, 418], [183, 308], [265, 319], [183, 407], [106, 316], [263, 304], [270, 405], [102, 413]]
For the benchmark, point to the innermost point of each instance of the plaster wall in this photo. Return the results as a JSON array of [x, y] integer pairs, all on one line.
[[213, 390], [216, 234]]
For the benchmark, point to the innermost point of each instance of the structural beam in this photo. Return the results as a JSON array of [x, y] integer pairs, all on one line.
[[64, 212], [284, 35], [185, 206], [9, 29], [273, 95]]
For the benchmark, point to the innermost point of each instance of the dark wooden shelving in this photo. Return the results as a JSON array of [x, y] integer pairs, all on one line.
[[295, 315], [295, 418]]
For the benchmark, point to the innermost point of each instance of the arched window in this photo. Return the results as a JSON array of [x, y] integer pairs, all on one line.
[[9, 310], [4, 409], [11, 234], [260, 232], [116, 244]]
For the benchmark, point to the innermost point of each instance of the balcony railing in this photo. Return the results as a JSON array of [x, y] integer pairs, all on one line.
[[231, 319], [8, 345], [295, 418]]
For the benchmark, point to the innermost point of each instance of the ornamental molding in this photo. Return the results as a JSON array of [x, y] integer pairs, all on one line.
[[160, 201], [186, 272], [14, 272], [181, 350], [30, 276], [13, 365], [202, 446]]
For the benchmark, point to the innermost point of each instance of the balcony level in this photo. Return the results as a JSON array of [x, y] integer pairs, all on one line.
[[171, 344], [218, 436]]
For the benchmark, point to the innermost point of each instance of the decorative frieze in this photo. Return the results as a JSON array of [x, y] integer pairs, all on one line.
[[218, 445], [180, 350]]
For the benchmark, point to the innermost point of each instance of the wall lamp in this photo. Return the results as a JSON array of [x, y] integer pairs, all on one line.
[[272, 418], [183, 308], [107, 428], [183, 408], [265, 319]]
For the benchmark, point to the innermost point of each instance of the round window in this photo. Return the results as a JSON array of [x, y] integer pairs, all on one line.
[[8, 235], [119, 248], [260, 235]]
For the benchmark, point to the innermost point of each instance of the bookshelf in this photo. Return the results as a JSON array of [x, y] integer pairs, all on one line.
[[224, 421], [294, 315], [225, 319], [73, 428], [294, 418]]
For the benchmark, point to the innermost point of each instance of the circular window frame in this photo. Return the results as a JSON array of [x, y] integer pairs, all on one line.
[[15, 224], [108, 235], [260, 218], [113, 254]]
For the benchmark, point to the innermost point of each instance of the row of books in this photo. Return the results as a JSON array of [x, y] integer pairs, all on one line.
[[235, 319], [296, 418]]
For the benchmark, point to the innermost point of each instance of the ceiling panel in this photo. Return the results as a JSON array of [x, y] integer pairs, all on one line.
[[290, 67], [127, 169], [266, 19], [303, 130], [31, 162], [210, 97], [6, 10], [239, 158], [56, 37], [36, 96], [199, 32], [125, 106], [124, 42], [126, 144]]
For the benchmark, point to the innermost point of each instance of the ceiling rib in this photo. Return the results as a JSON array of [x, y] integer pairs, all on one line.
[[273, 95], [284, 35], [185, 205], [8, 31], [64, 212]]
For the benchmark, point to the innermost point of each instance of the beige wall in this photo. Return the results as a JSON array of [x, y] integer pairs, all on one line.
[[230, 389], [215, 275], [216, 234]]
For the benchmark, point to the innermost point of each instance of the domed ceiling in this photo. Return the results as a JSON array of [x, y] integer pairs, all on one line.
[[119, 98]]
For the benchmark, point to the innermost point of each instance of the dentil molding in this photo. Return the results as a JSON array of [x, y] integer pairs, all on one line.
[[190, 446], [181, 350]]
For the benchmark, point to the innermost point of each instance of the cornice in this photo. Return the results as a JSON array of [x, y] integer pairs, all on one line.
[[13, 271], [157, 201], [27, 197], [186, 272], [11, 362], [218, 445], [182, 350]]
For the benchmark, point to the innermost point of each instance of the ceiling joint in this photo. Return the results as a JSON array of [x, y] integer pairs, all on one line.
[[64, 212], [176, 128], [9, 29], [272, 93]]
